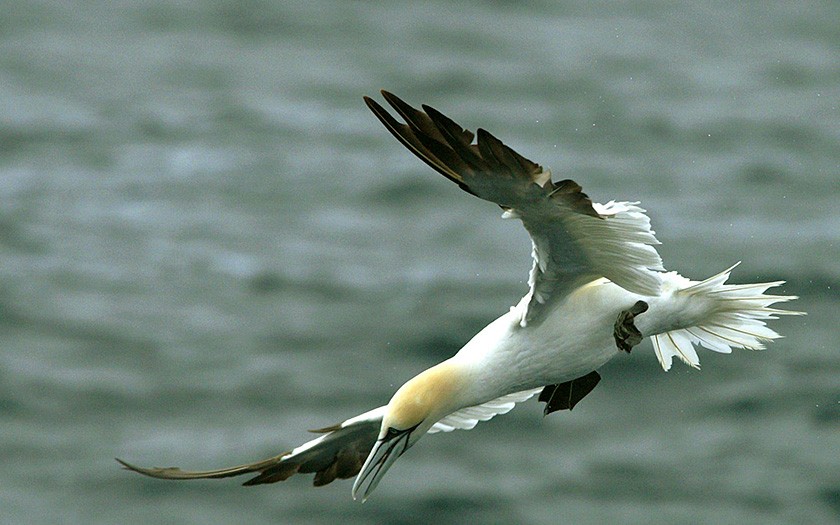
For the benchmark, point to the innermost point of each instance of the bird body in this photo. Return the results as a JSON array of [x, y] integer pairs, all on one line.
[[596, 289], [576, 337]]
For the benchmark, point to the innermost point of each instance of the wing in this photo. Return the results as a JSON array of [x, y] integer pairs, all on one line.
[[574, 239], [468, 417], [339, 453]]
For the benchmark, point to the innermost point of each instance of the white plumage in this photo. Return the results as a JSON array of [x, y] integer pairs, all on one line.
[[596, 288]]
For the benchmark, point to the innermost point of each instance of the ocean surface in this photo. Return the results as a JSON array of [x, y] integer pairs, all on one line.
[[209, 245]]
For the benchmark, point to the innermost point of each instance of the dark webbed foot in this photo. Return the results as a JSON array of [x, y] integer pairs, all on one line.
[[626, 334], [565, 396]]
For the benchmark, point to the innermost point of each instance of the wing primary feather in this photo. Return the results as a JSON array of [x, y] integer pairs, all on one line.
[[458, 139], [407, 138], [447, 157], [338, 453], [177, 473], [413, 117], [492, 150]]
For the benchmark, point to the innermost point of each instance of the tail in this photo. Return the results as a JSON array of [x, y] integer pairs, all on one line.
[[735, 319]]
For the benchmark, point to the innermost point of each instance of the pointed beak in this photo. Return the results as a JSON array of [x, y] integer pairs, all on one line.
[[384, 453]]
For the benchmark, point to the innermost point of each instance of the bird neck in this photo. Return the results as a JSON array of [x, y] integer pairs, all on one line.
[[430, 395]]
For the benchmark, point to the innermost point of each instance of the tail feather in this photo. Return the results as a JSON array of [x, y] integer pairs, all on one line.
[[736, 320]]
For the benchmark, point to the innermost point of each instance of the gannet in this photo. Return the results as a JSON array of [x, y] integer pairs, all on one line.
[[597, 288]]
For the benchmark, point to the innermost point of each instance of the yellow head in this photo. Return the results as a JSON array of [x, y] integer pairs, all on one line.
[[412, 411]]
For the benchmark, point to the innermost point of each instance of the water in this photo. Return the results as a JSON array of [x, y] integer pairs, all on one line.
[[209, 245]]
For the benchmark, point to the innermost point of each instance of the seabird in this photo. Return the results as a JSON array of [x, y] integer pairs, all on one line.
[[596, 289]]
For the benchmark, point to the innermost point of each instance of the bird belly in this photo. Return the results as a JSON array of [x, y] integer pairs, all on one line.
[[575, 338]]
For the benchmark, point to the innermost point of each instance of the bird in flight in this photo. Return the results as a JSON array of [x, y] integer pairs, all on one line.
[[597, 288]]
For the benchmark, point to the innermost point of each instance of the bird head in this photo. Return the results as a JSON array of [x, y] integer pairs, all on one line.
[[413, 410]]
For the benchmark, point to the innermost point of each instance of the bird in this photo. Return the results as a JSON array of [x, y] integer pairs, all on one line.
[[597, 288]]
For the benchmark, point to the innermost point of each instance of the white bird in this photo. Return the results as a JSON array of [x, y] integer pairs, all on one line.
[[597, 288]]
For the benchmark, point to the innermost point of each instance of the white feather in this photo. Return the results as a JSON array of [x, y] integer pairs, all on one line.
[[620, 245], [468, 418], [732, 317]]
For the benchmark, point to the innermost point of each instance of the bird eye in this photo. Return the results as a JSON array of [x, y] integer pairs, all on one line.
[[392, 432]]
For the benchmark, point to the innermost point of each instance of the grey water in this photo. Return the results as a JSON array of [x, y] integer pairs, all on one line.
[[208, 245]]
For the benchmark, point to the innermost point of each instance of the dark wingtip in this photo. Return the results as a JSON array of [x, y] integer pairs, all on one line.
[[390, 96], [326, 430], [372, 104], [128, 466]]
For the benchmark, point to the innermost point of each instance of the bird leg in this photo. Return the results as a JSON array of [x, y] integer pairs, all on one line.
[[626, 334], [564, 396]]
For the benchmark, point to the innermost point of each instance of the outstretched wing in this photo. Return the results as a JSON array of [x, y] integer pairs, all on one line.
[[574, 239], [467, 418], [339, 453]]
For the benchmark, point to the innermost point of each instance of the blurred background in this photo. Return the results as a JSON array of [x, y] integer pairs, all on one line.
[[209, 245]]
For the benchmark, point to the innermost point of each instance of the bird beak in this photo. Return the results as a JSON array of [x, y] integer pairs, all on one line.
[[384, 453]]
